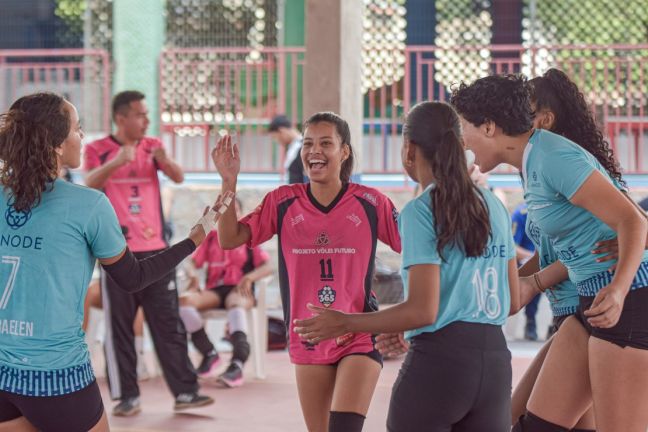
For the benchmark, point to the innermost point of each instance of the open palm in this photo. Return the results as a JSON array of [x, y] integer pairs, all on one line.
[[226, 158]]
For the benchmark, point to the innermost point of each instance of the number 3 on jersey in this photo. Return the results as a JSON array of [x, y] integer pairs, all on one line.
[[486, 291], [6, 294]]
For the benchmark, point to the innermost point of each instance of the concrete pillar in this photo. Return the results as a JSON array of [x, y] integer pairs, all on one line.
[[333, 70], [138, 37]]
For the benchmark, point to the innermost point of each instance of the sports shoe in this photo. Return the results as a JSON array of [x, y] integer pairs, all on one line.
[[232, 377], [191, 400], [209, 362], [127, 407]]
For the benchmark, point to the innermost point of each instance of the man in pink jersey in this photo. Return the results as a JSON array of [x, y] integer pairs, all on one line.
[[125, 166]]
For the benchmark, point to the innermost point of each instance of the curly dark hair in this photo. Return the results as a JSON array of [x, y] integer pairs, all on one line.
[[460, 213], [30, 131], [343, 131], [502, 99], [573, 119]]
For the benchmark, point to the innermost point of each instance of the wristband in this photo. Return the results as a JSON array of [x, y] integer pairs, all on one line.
[[539, 286], [208, 221]]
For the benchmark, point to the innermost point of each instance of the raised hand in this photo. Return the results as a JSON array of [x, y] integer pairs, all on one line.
[[226, 158]]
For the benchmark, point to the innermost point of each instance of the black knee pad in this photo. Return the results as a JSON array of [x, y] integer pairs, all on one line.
[[240, 346], [345, 422], [532, 423]]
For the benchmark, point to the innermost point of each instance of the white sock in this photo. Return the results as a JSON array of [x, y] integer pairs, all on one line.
[[139, 345], [237, 319], [191, 318]]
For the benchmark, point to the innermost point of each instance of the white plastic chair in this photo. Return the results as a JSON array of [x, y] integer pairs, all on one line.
[[258, 324]]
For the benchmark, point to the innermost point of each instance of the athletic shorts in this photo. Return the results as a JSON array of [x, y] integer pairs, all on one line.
[[457, 378], [79, 411], [632, 328], [222, 292], [373, 355]]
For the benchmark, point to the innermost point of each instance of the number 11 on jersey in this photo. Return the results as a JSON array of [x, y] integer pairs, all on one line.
[[326, 268]]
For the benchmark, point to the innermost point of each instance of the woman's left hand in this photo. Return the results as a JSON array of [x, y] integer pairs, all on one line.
[[607, 307], [326, 324]]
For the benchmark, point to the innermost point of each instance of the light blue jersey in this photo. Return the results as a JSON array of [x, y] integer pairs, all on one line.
[[48, 254], [472, 290], [553, 169], [563, 298]]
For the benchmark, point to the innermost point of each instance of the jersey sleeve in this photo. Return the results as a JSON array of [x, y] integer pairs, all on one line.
[[259, 257], [565, 169], [90, 158], [388, 225], [418, 235], [262, 221], [102, 230]]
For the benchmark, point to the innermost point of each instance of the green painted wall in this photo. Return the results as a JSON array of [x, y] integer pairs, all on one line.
[[138, 37], [294, 34]]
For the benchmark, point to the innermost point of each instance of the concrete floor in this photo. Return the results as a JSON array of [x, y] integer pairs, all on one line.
[[269, 406]]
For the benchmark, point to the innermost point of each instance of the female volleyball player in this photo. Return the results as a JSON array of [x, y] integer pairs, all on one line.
[[575, 202], [460, 275], [50, 235], [327, 232]]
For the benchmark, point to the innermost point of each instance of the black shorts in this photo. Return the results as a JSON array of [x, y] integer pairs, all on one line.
[[632, 328], [373, 355], [79, 411], [457, 378], [222, 292]]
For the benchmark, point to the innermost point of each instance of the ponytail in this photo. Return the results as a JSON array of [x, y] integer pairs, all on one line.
[[461, 216]]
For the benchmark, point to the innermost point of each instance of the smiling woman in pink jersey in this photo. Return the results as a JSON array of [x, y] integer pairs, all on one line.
[[328, 231]]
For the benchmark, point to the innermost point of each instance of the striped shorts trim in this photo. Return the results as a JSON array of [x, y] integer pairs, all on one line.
[[590, 287], [45, 383]]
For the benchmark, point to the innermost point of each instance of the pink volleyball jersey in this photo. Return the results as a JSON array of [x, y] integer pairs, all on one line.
[[133, 190], [326, 257], [225, 267]]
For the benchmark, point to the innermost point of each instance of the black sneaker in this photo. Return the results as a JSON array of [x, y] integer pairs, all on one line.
[[209, 362], [127, 407], [232, 377], [191, 400]]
